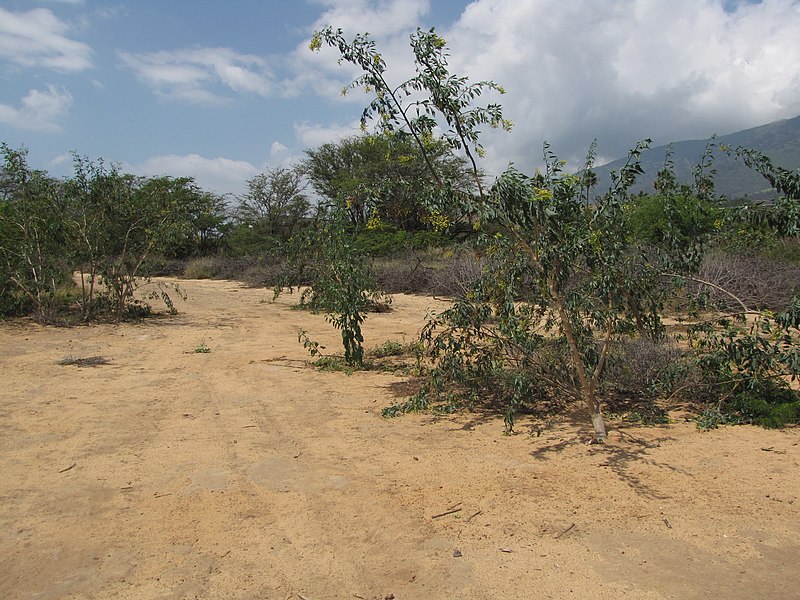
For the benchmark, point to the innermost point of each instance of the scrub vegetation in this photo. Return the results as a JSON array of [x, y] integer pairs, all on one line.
[[624, 302]]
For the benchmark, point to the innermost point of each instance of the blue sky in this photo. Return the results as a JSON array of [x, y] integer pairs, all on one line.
[[223, 90]]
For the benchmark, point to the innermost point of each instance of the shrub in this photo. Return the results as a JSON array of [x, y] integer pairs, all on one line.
[[205, 267], [758, 281], [391, 241]]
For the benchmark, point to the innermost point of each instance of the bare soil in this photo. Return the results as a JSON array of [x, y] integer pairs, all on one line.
[[160, 472]]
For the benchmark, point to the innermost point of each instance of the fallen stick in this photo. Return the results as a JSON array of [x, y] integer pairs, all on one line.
[[472, 516], [568, 529], [447, 512], [72, 466]]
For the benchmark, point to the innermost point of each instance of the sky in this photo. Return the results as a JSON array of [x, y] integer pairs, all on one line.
[[221, 91]]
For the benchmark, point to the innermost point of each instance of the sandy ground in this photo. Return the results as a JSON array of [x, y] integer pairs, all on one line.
[[243, 473]]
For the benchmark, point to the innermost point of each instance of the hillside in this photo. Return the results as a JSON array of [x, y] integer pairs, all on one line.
[[779, 140]]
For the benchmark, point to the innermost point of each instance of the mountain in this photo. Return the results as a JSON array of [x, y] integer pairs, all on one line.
[[779, 140]]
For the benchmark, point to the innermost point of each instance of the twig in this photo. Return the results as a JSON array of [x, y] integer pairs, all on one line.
[[72, 466], [568, 529], [713, 285], [447, 512], [456, 505], [301, 597], [160, 495], [226, 554], [667, 523], [472, 516]]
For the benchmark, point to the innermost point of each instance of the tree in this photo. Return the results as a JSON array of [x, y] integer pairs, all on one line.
[[271, 211], [33, 249], [575, 271], [340, 282], [432, 99], [382, 176], [117, 222], [207, 220]]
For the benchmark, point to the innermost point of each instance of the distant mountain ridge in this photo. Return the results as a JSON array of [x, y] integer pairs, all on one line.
[[779, 140]]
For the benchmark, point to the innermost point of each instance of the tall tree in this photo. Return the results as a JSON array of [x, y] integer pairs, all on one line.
[[33, 249], [383, 175], [270, 212]]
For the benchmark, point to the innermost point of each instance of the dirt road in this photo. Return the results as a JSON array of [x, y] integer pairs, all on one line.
[[243, 473]]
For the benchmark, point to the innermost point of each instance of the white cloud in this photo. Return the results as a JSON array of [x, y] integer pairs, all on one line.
[[39, 110], [616, 70], [311, 135], [388, 22], [620, 69], [277, 149], [61, 159], [222, 175], [380, 19], [37, 38], [195, 75]]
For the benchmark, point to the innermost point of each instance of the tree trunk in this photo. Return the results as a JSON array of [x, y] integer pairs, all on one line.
[[600, 434], [588, 386]]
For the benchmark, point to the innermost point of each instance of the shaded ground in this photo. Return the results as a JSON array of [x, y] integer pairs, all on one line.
[[241, 473]]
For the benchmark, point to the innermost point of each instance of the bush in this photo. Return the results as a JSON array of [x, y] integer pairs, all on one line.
[[390, 241], [760, 282], [206, 267], [769, 405], [434, 271]]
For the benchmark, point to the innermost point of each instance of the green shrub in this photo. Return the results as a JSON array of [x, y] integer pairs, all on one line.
[[388, 241], [769, 405]]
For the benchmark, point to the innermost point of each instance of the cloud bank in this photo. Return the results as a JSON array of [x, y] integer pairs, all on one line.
[[615, 70], [222, 175]]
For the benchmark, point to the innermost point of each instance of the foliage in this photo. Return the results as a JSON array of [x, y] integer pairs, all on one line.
[[383, 177], [563, 287], [675, 220], [270, 212], [106, 225], [340, 282], [759, 225], [207, 223], [752, 363], [117, 222], [205, 267], [433, 98], [389, 241], [566, 260], [389, 348], [33, 259]]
